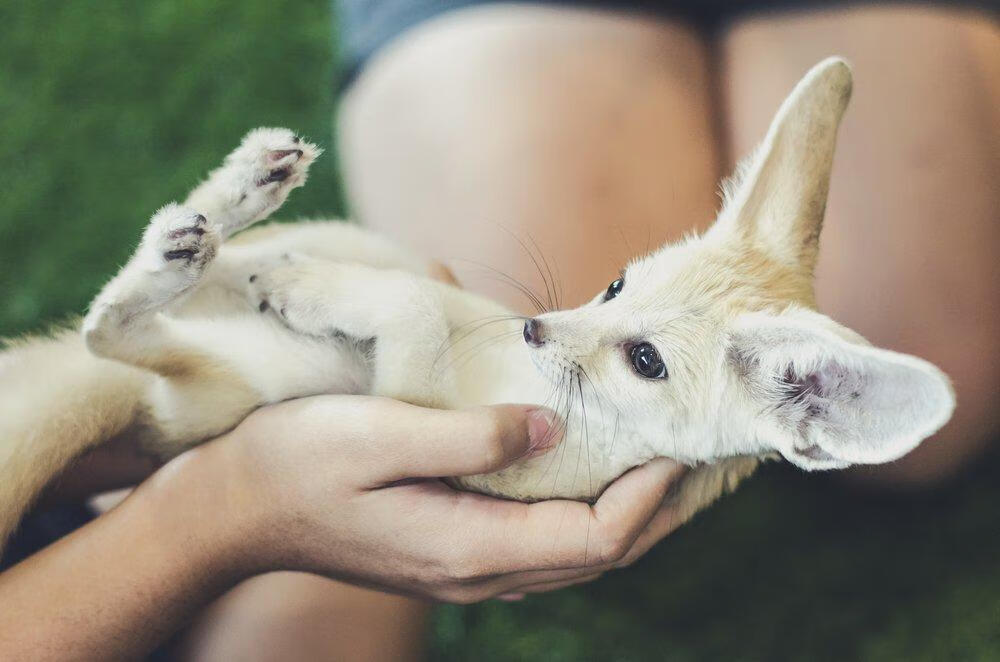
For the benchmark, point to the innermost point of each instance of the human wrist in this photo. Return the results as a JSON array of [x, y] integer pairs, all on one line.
[[208, 500]]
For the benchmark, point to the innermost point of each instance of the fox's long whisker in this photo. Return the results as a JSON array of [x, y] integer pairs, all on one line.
[[450, 342], [548, 290], [513, 282], [590, 479], [553, 297], [469, 352], [562, 428], [586, 430], [555, 277], [628, 246], [614, 436], [509, 280], [569, 411], [601, 398]]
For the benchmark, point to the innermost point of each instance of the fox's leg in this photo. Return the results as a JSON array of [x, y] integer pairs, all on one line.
[[124, 321], [403, 314], [58, 400], [204, 393], [254, 180], [181, 241]]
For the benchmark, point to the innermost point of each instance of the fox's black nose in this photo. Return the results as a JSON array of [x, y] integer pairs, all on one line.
[[533, 333]]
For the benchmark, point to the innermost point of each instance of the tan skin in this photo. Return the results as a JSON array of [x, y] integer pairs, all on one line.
[[339, 486]]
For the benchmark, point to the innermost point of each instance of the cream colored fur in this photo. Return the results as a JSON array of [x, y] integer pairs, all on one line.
[[194, 333]]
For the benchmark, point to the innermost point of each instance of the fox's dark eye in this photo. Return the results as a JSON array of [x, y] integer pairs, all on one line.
[[647, 362], [614, 289]]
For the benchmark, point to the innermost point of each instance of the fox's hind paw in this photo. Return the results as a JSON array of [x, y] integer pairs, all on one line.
[[291, 290]]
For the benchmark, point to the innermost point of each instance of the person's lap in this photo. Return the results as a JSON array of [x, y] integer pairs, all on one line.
[[615, 142], [908, 252]]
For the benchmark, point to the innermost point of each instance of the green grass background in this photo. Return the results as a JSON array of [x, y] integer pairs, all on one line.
[[110, 109]]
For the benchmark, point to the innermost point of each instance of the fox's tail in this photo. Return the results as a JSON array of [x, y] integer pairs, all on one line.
[[56, 401]]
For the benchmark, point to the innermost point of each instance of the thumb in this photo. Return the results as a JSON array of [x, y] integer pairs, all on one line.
[[471, 441]]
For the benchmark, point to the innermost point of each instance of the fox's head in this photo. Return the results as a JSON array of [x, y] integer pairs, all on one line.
[[713, 346]]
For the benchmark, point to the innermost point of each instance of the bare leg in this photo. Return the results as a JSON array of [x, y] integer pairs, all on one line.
[[292, 616], [592, 132], [908, 255]]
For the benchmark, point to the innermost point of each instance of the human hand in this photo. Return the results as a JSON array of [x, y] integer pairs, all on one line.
[[346, 486]]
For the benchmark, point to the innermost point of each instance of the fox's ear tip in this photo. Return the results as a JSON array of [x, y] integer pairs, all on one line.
[[836, 73], [835, 62], [945, 393]]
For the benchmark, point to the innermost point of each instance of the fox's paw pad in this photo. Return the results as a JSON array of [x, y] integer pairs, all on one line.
[[178, 237], [274, 159]]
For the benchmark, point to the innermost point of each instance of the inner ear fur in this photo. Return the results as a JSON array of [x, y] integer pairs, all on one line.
[[777, 197], [826, 400]]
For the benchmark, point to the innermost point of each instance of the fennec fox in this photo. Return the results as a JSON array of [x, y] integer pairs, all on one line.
[[708, 351]]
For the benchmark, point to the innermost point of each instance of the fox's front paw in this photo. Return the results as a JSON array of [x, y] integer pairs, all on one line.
[[272, 161], [255, 179], [179, 241]]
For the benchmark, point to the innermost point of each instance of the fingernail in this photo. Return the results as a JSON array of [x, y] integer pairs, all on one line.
[[543, 431]]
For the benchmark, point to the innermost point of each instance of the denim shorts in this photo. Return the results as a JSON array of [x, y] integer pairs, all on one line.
[[365, 26]]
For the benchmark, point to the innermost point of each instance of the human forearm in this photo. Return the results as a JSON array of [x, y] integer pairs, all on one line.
[[118, 586], [343, 486]]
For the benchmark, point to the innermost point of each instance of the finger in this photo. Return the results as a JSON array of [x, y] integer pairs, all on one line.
[[508, 537], [486, 589], [427, 443], [664, 522], [496, 589], [628, 505], [555, 586], [516, 581], [631, 502]]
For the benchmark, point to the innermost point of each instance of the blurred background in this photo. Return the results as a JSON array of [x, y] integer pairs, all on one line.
[[110, 110]]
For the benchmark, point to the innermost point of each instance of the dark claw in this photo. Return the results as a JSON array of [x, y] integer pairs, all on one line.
[[253, 278], [184, 253], [280, 154], [263, 306], [177, 234], [279, 175]]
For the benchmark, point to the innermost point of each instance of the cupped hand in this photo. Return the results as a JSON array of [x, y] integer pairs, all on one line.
[[347, 486]]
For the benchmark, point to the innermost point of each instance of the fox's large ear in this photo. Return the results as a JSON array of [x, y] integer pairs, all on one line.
[[777, 197], [824, 399]]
